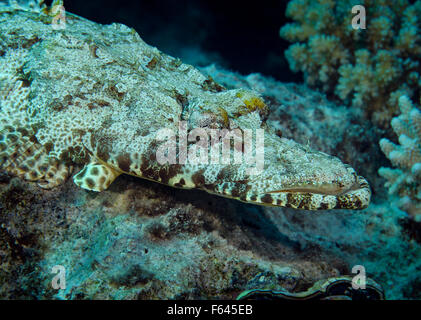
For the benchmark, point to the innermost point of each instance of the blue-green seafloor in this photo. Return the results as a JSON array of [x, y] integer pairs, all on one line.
[[142, 240]]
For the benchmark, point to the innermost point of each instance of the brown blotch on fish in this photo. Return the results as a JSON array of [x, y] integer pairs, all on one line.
[[235, 192], [224, 173], [163, 175], [115, 93], [92, 49], [152, 64], [267, 198], [148, 171], [324, 206], [198, 178], [181, 99], [212, 86], [33, 174], [305, 201], [94, 171], [180, 183], [103, 154], [124, 162], [168, 172], [30, 42], [90, 183], [293, 200]]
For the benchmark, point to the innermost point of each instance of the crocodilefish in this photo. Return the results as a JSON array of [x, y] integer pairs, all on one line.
[[75, 93]]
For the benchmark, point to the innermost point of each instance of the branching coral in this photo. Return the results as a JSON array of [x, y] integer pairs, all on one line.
[[405, 181], [368, 68]]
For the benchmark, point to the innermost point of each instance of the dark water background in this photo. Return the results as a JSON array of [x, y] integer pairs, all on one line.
[[239, 35]]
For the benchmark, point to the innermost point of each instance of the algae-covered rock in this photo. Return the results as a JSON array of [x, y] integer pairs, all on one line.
[[141, 240]]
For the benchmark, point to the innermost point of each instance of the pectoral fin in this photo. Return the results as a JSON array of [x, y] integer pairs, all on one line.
[[95, 177]]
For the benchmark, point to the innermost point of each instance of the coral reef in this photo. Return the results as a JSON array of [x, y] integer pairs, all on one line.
[[405, 180], [142, 240], [367, 68]]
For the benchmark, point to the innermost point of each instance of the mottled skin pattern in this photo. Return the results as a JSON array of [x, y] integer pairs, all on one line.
[[98, 95]]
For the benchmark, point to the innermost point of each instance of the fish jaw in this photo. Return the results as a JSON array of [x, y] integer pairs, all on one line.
[[357, 198], [301, 180]]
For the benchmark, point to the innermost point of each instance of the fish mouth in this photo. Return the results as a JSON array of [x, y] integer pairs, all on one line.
[[324, 197], [326, 189]]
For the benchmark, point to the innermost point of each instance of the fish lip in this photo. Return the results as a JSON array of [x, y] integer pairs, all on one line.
[[356, 197], [312, 189], [334, 188]]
